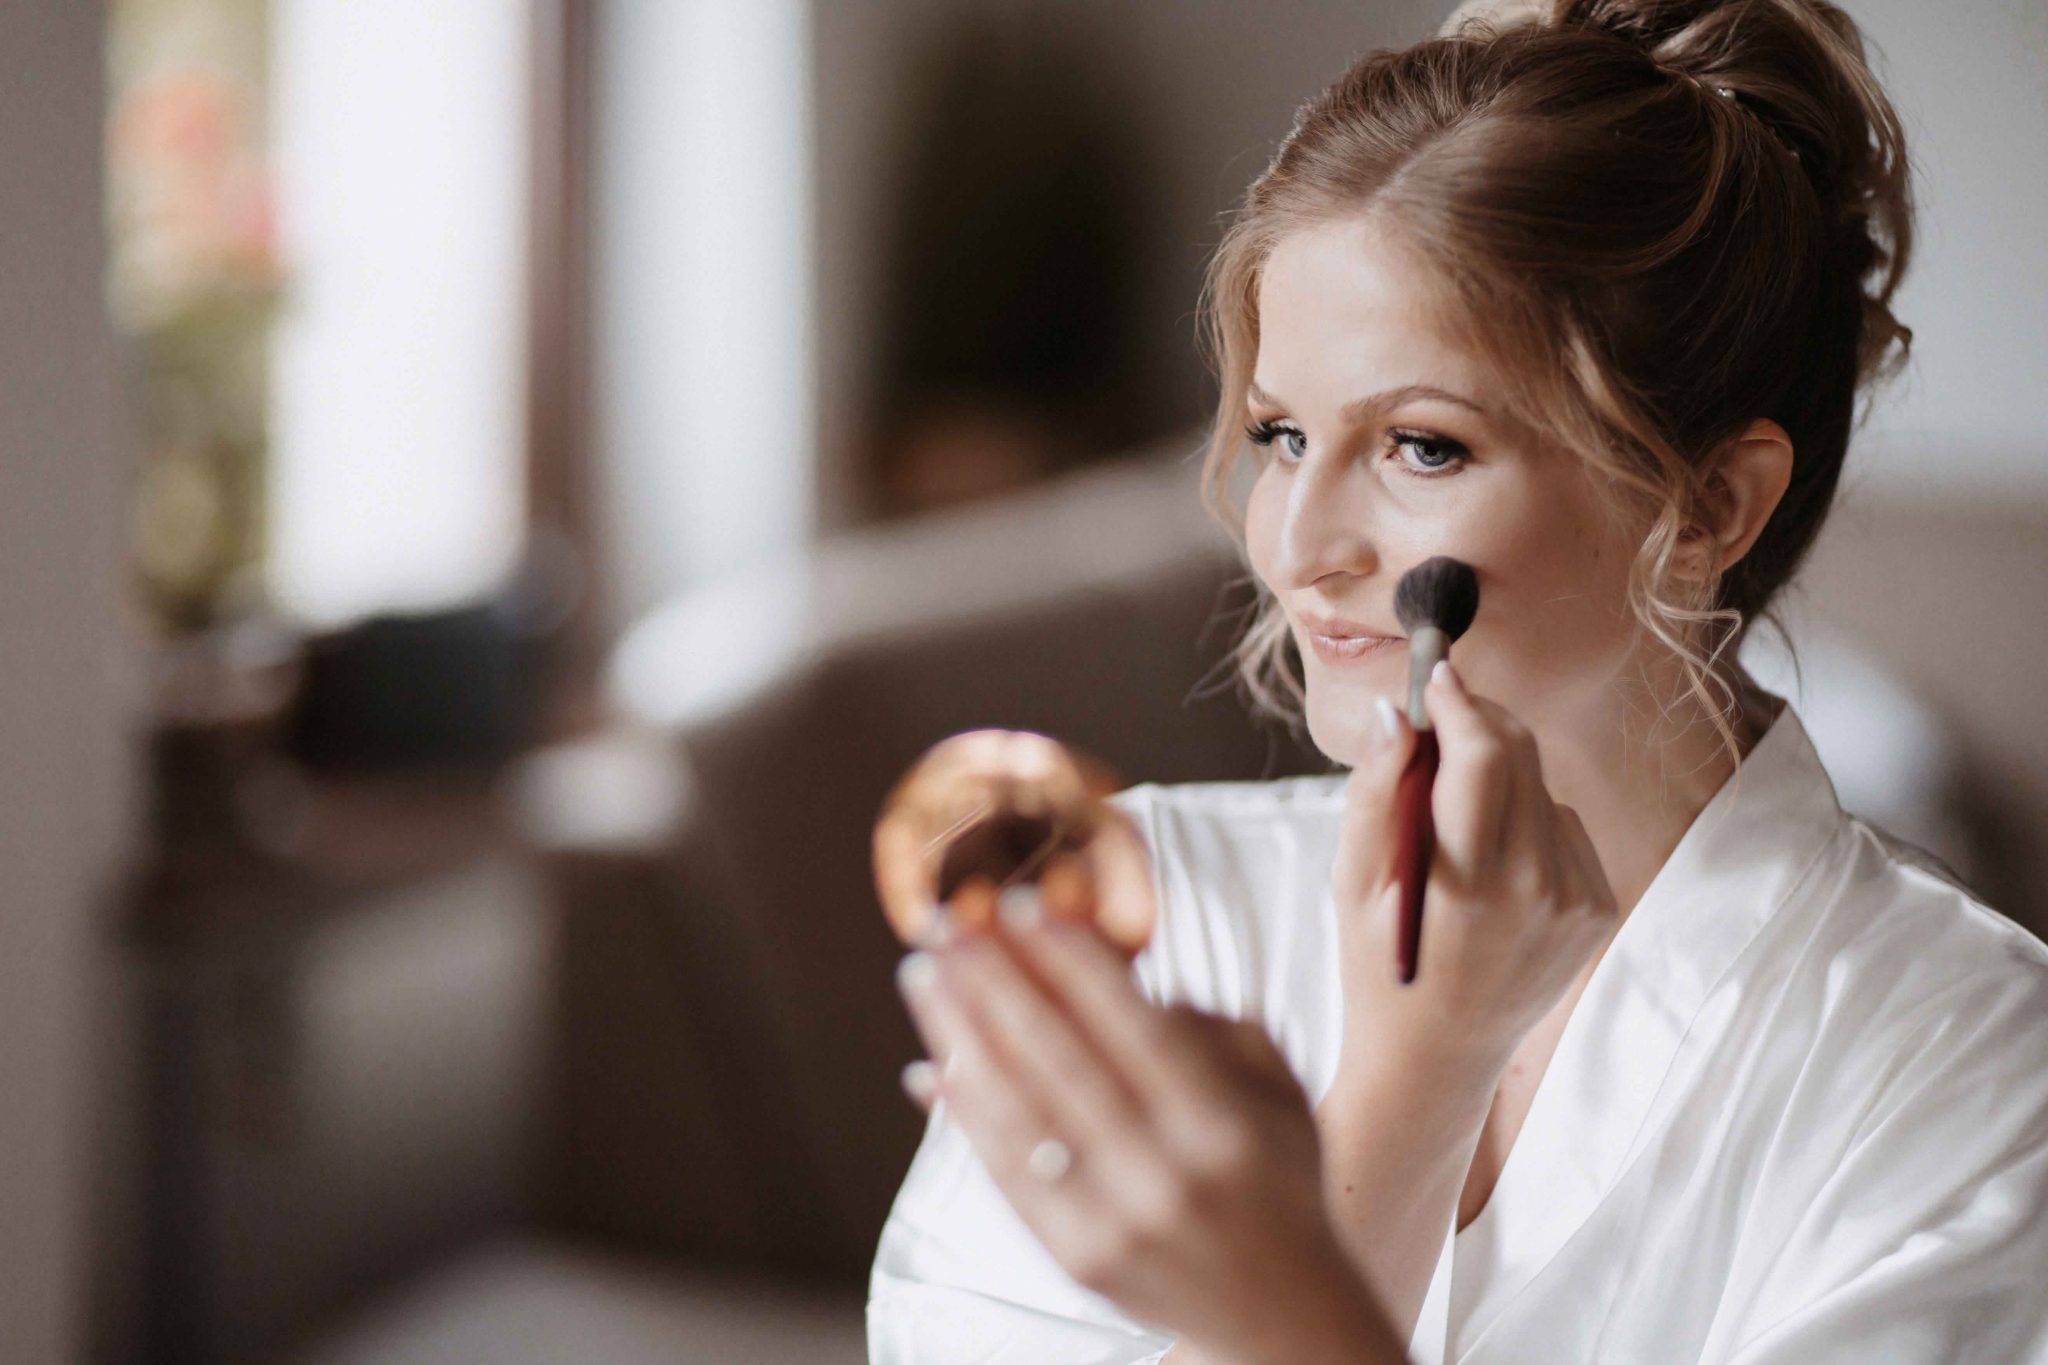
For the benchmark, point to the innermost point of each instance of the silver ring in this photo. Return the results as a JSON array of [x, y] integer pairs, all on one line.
[[1049, 1159]]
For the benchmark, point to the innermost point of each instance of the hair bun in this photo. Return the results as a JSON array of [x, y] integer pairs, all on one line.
[[1799, 68]]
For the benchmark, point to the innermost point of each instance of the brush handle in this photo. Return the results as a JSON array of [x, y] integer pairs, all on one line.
[[1415, 845]]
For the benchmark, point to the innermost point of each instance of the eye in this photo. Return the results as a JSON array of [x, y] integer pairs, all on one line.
[[1431, 455], [1265, 433]]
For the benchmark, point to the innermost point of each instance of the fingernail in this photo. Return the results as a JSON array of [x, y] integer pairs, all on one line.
[[1390, 719], [1441, 673], [1020, 907], [914, 974], [920, 1080], [938, 926]]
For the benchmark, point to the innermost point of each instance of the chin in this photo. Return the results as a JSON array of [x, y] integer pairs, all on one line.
[[1340, 732]]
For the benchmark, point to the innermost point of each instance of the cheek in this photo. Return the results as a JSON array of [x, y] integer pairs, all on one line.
[[1263, 509], [1554, 593]]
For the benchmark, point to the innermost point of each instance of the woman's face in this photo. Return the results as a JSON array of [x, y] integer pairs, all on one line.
[[1366, 475]]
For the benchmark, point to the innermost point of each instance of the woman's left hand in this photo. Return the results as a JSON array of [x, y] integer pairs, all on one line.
[[1193, 1196]]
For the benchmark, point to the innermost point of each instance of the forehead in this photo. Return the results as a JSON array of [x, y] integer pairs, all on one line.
[[1343, 305]]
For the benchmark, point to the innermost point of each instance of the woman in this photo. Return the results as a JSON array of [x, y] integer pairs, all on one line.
[[1696, 1066]]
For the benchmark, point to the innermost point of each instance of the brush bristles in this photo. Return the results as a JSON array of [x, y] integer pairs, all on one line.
[[1441, 592]]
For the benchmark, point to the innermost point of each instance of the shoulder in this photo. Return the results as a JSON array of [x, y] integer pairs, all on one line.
[[1234, 806], [1238, 868], [1901, 908], [1896, 1181], [1214, 842], [1886, 1067], [1915, 982]]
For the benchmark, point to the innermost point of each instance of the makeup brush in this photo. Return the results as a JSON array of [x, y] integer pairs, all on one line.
[[1435, 602]]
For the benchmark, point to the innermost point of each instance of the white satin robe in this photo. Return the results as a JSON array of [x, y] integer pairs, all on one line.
[[1799, 1115]]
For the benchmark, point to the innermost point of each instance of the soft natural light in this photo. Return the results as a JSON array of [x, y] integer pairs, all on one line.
[[397, 376], [705, 404]]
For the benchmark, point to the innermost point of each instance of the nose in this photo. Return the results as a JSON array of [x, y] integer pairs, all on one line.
[[1326, 528]]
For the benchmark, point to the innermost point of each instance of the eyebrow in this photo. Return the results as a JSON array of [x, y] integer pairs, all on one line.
[[1359, 409]]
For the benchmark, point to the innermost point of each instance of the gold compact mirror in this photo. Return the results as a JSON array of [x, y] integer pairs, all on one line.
[[988, 810]]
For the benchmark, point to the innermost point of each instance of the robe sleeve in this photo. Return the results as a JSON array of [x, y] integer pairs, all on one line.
[[1928, 1241]]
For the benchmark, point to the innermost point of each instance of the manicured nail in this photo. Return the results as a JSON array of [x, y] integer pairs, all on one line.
[[1390, 719], [914, 974], [920, 1080], [1441, 673], [1020, 907], [938, 926]]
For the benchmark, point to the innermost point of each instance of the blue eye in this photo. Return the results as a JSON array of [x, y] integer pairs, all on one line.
[[1264, 434], [1433, 454]]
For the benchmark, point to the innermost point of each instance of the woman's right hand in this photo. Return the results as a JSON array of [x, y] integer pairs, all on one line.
[[1516, 906]]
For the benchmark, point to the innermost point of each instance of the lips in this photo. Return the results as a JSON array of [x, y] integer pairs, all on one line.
[[1336, 641], [1337, 649], [1338, 629]]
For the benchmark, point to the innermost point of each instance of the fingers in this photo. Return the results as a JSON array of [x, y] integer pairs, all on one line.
[[1365, 849], [1136, 1038], [1016, 1065], [1003, 1116], [1067, 887], [1252, 1052], [999, 1118], [1045, 1053], [1489, 765], [1590, 872], [1493, 810], [1195, 1073]]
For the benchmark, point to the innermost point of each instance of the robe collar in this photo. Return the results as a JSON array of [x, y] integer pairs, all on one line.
[[1736, 865]]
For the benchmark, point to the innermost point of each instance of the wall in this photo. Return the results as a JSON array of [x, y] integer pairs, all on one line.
[[64, 682], [1971, 83]]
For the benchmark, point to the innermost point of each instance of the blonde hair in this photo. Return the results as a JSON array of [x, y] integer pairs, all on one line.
[[1672, 217]]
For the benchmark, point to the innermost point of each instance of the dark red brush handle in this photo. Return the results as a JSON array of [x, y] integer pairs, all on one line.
[[1415, 844]]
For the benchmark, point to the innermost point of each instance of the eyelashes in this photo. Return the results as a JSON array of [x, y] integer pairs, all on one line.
[[1436, 455]]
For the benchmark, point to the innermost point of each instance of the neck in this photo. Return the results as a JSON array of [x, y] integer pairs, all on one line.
[[1638, 779]]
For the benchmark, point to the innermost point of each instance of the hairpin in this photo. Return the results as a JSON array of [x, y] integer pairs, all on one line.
[[1728, 93]]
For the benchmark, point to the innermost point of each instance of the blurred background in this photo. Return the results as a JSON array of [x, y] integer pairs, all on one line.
[[493, 492]]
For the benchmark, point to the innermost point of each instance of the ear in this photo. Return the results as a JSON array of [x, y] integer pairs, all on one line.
[[1744, 487]]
